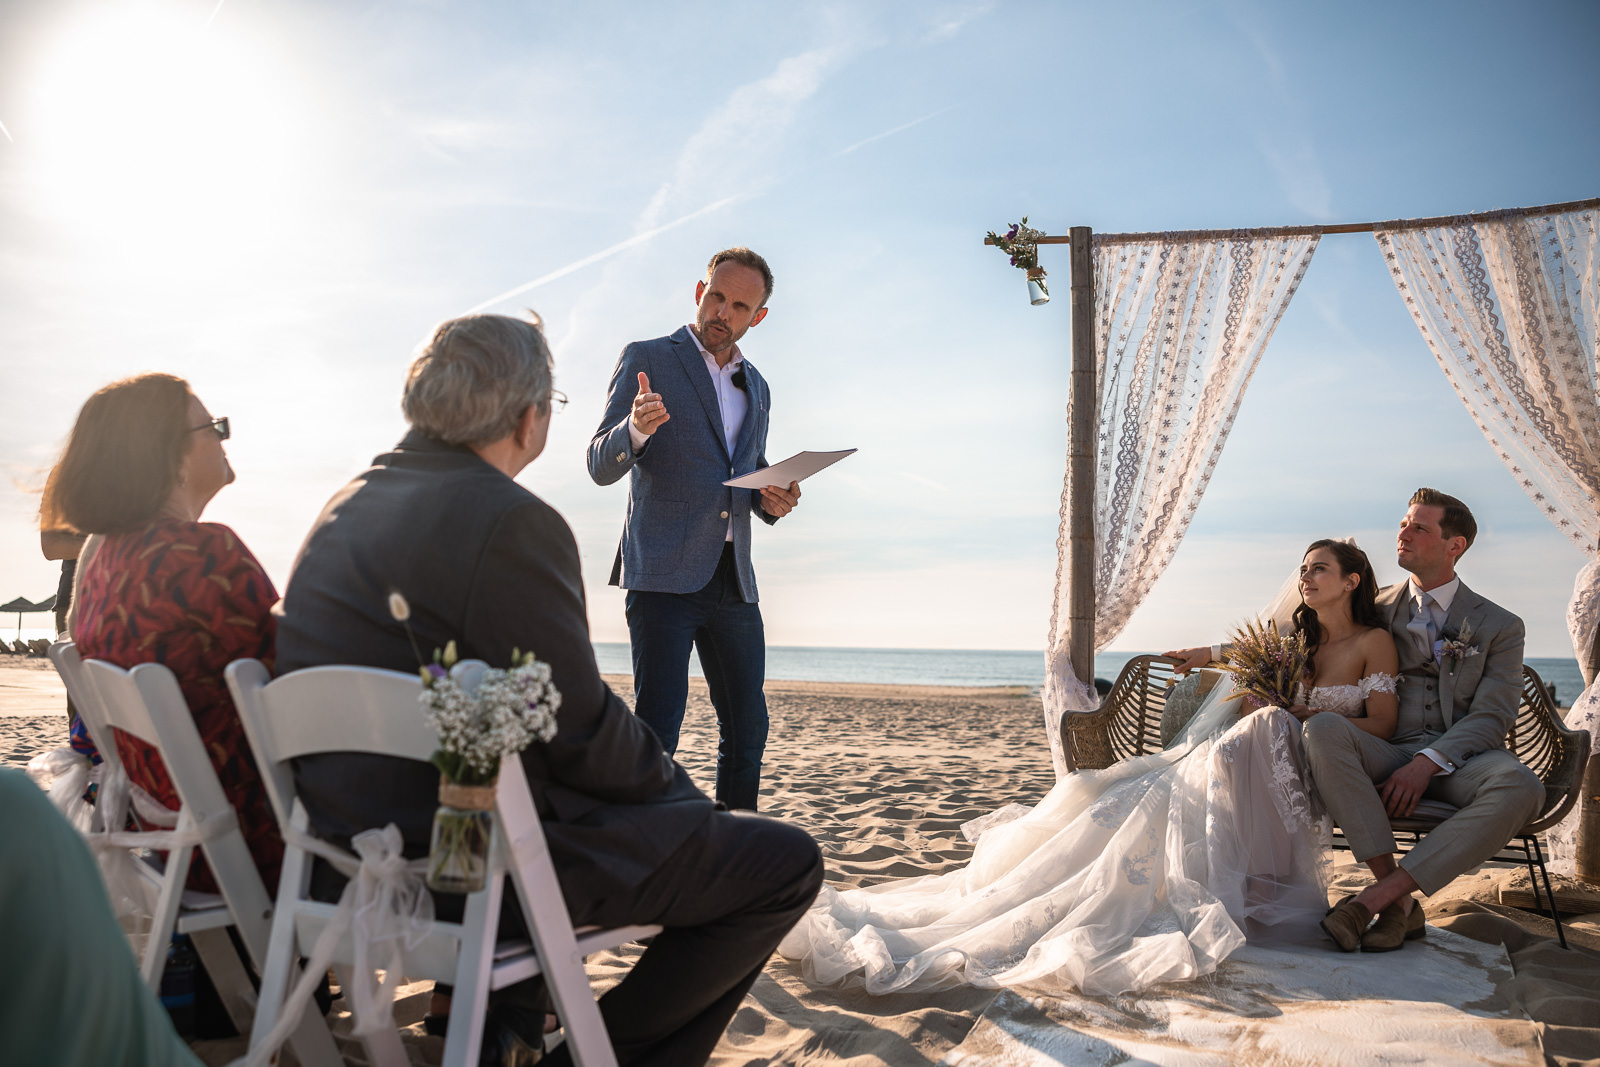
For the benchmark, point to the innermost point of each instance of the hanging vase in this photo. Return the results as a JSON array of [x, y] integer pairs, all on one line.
[[458, 858], [1037, 293]]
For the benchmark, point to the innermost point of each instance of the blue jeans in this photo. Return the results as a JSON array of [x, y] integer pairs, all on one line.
[[732, 643]]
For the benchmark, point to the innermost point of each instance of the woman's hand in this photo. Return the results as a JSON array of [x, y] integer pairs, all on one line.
[[1300, 711]]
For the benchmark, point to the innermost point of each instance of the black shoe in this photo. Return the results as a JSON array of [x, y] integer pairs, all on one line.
[[513, 1036]]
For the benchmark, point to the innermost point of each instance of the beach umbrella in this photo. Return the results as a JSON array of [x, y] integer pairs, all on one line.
[[23, 606]]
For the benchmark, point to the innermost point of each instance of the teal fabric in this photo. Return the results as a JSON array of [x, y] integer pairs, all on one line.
[[70, 992]]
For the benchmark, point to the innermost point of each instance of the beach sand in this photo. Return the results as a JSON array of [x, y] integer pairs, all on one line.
[[883, 777]]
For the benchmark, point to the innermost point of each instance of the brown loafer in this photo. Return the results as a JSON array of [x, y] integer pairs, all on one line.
[[1394, 928], [1345, 922]]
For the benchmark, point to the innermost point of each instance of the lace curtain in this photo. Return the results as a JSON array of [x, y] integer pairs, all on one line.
[[1508, 303], [1182, 321]]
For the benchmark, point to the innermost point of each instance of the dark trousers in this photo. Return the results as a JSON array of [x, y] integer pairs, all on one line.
[[732, 643], [725, 898]]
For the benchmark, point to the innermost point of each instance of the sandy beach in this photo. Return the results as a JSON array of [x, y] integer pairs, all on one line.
[[883, 777]]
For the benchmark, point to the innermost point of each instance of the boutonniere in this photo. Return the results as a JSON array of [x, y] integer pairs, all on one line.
[[1452, 650]]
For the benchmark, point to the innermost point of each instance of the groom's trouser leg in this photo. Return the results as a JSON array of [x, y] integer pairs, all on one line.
[[1346, 765], [726, 898], [1497, 796]]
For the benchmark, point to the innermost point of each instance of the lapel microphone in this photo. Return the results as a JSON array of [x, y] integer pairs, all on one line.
[[738, 378]]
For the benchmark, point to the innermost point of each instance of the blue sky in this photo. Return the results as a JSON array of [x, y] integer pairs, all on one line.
[[278, 203]]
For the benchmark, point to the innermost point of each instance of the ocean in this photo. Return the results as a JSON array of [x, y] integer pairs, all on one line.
[[942, 666], [963, 667]]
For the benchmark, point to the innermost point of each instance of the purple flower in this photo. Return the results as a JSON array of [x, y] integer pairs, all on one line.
[[1013, 261], [436, 670], [1011, 233]]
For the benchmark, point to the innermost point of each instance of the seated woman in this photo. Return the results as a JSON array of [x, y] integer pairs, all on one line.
[[144, 459], [1150, 871]]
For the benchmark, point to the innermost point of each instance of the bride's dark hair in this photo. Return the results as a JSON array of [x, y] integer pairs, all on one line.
[[1363, 600]]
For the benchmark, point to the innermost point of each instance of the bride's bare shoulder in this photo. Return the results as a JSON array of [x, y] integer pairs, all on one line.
[[1378, 649]]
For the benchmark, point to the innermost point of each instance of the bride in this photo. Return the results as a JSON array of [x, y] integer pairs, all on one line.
[[1150, 871]]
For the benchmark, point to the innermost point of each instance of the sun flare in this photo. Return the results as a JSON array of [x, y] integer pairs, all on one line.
[[160, 141]]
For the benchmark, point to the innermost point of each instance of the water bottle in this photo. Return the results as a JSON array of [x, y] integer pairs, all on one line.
[[177, 984]]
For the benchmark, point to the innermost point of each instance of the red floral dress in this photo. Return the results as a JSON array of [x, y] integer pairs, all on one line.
[[192, 597]]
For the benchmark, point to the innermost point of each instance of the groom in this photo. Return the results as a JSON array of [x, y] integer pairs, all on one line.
[[1460, 687]]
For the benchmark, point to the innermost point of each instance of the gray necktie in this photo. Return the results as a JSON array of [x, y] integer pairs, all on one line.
[[1421, 626]]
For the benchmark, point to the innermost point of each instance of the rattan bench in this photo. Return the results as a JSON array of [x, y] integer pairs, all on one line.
[[1128, 723]]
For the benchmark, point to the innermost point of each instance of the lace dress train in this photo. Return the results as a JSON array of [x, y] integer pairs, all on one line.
[[1150, 871]]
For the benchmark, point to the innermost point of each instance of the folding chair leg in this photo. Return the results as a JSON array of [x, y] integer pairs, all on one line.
[[469, 1002], [166, 915], [384, 1049], [1536, 855], [228, 975]]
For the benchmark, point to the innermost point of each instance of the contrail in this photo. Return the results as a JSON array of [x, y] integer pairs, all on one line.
[[897, 129], [598, 256], [7, 132], [213, 14]]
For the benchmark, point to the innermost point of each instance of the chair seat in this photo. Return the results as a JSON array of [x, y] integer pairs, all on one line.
[[190, 920]]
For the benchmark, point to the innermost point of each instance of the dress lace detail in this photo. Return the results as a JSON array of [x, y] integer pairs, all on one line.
[[1350, 700], [1150, 871]]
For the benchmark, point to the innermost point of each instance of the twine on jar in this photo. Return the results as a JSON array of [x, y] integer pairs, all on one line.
[[466, 797]]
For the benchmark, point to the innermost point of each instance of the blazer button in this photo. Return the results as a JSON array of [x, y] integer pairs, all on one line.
[[723, 515]]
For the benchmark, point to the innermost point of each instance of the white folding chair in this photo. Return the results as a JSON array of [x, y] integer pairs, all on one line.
[[147, 703], [362, 709]]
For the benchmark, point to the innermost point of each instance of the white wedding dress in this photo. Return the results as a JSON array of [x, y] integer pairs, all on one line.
[[1150, 871]]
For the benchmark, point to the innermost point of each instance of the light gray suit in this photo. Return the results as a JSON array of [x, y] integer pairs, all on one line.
[[1461, 709]]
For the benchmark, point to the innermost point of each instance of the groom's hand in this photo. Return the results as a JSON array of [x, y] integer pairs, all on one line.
[[1193, 658], [1405, 787]]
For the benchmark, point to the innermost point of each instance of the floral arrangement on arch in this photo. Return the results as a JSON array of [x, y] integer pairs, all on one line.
[[1021, 243]]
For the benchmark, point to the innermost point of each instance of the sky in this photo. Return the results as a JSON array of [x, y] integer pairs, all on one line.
[[279, 200]]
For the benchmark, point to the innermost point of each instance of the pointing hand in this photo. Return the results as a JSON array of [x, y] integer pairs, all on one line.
[[649, 410]]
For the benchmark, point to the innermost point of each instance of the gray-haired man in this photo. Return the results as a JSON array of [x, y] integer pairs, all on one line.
[[486, 563]]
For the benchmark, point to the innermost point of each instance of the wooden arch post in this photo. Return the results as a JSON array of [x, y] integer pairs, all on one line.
[[1083, 431]]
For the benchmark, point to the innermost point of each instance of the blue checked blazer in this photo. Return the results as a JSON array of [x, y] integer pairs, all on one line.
[[678, 508]]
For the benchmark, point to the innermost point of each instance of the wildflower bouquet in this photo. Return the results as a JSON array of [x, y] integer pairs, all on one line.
[[1268, 665], [1021, 243], [478, 725]]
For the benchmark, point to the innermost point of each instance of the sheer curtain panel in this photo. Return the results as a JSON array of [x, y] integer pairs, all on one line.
[[1182, 322], [1507, 302]]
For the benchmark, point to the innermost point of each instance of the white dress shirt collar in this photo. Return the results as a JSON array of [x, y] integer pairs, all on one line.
[[1443, 595]]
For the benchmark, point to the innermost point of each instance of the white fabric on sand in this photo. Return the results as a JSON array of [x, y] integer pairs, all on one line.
[[1150, 871]]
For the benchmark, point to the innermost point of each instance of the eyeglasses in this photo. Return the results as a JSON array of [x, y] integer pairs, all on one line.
[[558, 400], [219, 426]]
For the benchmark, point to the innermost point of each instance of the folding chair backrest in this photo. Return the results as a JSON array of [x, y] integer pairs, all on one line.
[[325, 709]]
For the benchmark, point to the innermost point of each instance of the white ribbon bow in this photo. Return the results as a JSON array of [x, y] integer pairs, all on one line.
[[385, 904]]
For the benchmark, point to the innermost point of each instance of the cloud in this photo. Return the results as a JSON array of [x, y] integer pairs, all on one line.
[[735, 143], [894, 130], [947, 25]]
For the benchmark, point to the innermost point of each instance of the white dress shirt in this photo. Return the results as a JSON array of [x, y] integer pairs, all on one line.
[[732, 402], [1438, 606]]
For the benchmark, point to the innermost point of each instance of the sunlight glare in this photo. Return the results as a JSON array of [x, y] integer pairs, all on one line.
[[161, 142]]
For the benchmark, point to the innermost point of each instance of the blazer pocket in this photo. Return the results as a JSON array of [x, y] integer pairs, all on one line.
[[656, 529]]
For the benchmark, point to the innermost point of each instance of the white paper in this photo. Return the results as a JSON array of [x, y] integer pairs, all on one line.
[[797, 468]]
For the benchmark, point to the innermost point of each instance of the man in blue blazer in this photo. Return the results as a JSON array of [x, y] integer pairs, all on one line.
[[684, 413]]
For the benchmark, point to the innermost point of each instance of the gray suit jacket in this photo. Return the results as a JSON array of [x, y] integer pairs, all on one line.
[[678, 508], [1475, 698], [489, 565]]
